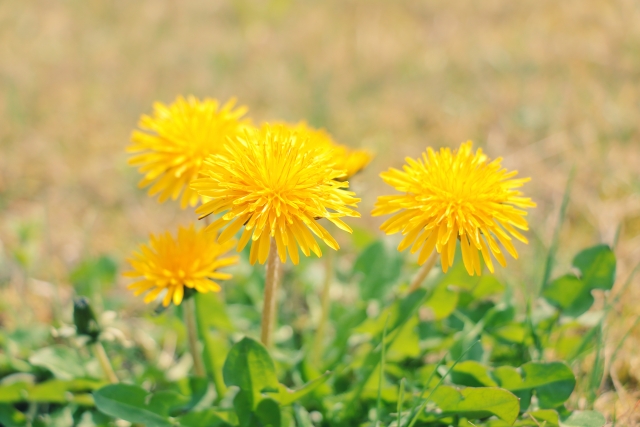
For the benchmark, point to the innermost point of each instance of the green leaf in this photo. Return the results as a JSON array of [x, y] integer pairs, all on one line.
[[128, 402], [11, 417], [207, 418], [166, 402], [553, 382], [584, 419], [250, 367], [14, 392], [268, 413], [378, 269], [547, 416], [597, 266], [286, 396], [472, 374], [63, 362], [57, 391], [443, 301], [477, 402], [570, 294]]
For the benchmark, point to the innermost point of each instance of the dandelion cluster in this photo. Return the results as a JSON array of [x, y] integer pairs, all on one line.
[[277, 182], [168, 264], [175, 140], [274, 183], [456, 196]]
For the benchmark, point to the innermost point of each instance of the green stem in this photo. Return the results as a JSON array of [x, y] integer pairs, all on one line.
[[105, 363], [326, 307], [189, 308], [270, 294]]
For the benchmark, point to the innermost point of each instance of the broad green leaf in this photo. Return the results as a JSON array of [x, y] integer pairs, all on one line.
[[14, 392], [286, 396], [265, 414], [553, 382], [250, 367], [570, 294], [208, 418], [513, 332], [472, 374], [129, 403], [406, 342], [268, 413], [63, 362], [165, 402], [57, 391], [376, 268], [548, 416], [597, 266], [488, 286], [443, 301], [11, 417], [243, 406], [584, 419], [477, 402]]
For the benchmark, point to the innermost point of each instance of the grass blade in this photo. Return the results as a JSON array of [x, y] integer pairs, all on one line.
[[382, 360], [555, 241], [400, 401]]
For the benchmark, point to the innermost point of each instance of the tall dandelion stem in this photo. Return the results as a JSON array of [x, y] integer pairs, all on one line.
[[424, 271], [270, 292], [326, 306], [189, 308], [100, 354]]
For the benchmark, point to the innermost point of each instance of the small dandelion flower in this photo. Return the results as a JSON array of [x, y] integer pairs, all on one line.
[[347, 159], [173, 143], [191, 260], [450, 196], [273, 184]]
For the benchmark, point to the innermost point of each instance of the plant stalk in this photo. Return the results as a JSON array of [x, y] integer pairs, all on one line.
[[270, 293], [424, 271], [190, 321], [325, 301], [105, 363]]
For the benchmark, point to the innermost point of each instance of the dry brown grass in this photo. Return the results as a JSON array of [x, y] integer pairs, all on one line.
[[547, 84]]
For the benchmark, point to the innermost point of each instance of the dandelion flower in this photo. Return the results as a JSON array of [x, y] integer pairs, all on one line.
[[173, 143], [191, 260], [347, 159], [274, 184], [450, 196]]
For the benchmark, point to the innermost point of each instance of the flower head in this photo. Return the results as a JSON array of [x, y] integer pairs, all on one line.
[[272, 183], [347, 159], [173, 143], [450, 196], [191, 260]]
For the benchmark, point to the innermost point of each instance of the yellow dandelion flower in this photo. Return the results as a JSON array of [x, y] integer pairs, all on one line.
[[450, 196], [173, 143], [347, 159], [274, 184], [191, 260]]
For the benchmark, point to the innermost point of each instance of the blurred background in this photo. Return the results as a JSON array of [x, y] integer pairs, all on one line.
[[549, 86]]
